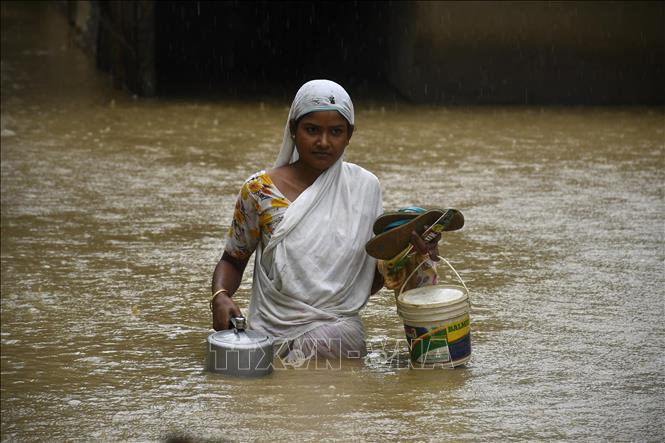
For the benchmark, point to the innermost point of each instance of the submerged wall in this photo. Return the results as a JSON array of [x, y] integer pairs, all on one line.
[[120, 36], [429, 52], [529, 52]]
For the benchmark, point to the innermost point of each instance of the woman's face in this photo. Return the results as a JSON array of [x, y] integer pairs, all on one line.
[[321, 138]]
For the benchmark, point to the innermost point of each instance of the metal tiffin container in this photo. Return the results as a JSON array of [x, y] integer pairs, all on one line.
[[240, 352]]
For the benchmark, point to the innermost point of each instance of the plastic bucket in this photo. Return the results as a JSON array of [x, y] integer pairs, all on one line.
[[436, 323]]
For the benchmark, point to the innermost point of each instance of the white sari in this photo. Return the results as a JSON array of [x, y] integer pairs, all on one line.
[[314, 276]]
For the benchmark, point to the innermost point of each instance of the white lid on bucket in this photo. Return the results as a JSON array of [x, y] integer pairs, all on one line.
[[433, 296]]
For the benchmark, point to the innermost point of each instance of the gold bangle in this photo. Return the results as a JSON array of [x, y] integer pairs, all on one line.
[[219, 291]]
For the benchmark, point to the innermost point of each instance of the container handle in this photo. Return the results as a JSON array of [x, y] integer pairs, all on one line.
[[238, 324], [420, 264]]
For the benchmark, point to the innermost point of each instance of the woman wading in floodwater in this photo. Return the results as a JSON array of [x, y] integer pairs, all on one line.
[[308, 220]]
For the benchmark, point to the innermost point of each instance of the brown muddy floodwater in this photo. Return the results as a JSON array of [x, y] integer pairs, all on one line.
[[114, 212]]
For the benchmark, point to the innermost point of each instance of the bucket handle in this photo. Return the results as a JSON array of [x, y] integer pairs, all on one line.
[[420, 264]]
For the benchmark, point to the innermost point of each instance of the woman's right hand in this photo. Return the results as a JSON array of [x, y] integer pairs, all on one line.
[[223, 309], [430, 248]]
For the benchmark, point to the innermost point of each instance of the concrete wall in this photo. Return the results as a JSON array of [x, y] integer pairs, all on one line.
[[121, 36], [430, 52], [83, 17], [528, 52], [126, 43]]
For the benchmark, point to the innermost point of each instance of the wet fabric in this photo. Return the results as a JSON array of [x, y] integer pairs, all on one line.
[[344, 337], [315, 95], [314, 272], [424, 275], [259, 210]]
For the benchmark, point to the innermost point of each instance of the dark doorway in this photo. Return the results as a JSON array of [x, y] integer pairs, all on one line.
[[257, 48]]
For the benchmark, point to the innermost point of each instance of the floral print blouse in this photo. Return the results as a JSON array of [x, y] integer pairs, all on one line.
[[259, 210], [426, 274]]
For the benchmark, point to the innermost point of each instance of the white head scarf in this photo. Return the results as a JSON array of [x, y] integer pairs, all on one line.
[[315, 95]]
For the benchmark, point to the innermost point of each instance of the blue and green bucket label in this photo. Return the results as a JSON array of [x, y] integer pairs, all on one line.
[[440, 344]]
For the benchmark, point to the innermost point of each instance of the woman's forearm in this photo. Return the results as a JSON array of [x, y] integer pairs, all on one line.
[[225, 282], [228, 274]]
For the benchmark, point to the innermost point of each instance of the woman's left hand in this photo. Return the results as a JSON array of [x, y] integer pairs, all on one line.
[[430, 248]]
